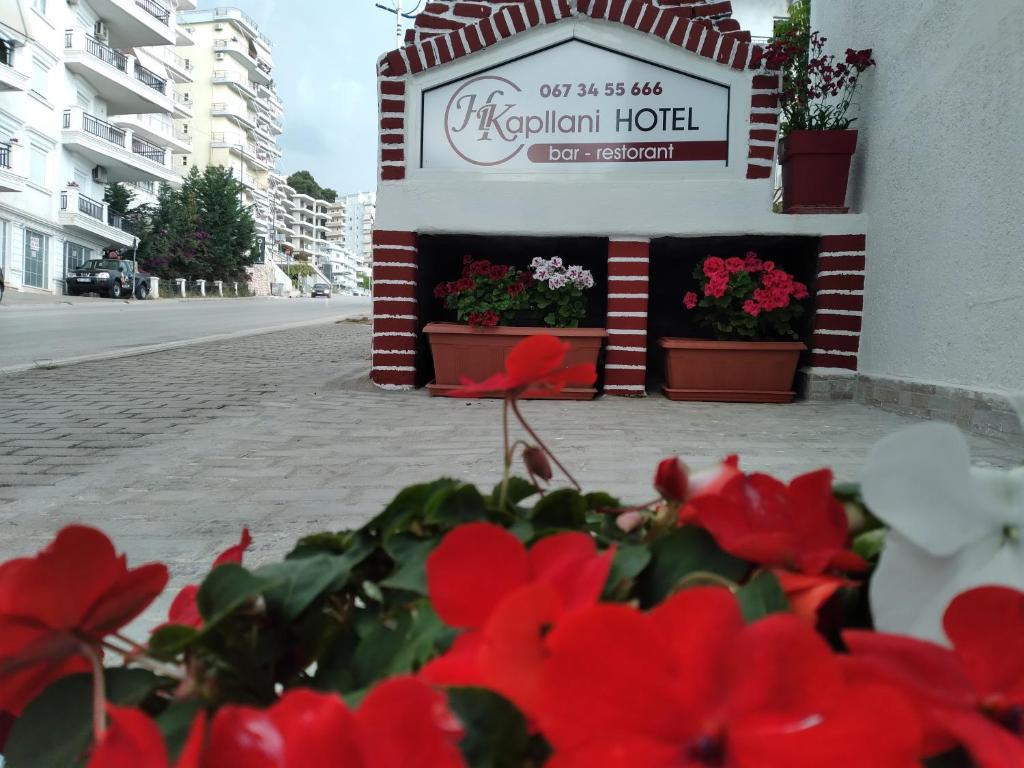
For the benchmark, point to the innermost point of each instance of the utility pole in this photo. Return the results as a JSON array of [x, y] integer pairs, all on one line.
[[396, 8]]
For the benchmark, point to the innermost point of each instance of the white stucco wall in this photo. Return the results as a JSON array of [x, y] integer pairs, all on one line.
[[940, 173]]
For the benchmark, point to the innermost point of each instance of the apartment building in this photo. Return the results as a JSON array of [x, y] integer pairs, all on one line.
[[86, 100], [236, 116], [359, 217]]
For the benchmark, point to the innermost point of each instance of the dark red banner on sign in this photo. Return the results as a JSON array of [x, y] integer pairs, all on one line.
[[630, 152]]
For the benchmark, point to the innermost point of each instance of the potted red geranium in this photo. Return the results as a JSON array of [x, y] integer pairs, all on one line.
[[497, 305], [817, 142], [750, 305]]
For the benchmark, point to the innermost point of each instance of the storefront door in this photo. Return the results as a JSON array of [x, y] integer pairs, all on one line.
[[36, 266]]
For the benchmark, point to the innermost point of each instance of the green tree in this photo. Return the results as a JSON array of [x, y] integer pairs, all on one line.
[[329, 195], [118, 197], [304, 183]]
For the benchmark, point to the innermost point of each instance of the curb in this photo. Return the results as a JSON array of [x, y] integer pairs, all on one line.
[[150, 349]]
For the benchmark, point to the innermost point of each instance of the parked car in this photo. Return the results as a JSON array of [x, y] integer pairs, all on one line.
[[116, 278], [320, 289]]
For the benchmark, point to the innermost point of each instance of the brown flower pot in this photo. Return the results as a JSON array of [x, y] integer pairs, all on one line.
[[477, 353], [816, 170], [730, 371]]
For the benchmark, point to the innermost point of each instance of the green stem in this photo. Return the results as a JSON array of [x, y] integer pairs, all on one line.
[[503, 500], [706, 577], [543, 447], [99, 693]]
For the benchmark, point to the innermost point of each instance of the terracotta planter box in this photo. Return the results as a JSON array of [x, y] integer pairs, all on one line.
[[477, 353], [730, 371], [816, 170]]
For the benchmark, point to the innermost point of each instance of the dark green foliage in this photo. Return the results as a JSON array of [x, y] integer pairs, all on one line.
[[304, 183]]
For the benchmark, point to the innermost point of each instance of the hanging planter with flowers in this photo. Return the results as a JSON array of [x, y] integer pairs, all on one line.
[[497, 305], [750, 305], [818, 144]]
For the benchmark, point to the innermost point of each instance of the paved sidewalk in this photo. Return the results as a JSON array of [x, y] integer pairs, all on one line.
[[284, 433]]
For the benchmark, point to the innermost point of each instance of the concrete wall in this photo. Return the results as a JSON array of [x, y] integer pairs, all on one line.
[[940, 173]]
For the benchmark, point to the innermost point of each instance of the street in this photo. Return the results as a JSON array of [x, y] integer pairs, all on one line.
[[49, 331], [283, 432]]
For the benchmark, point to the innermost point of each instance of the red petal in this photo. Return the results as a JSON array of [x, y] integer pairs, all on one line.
[[535, 357], [125, 600], [512, 655], [472, 570], [32, 657], [624, 753], [236, 553], [460, 666], [670, 479], [583, 375], [988, 744], [806, 594], [317, 728], [244, 736], [611, 673], [817, 520], [496, 384], [132, 740], [192, 753], [570, 563], [185, 609], [406, 723], [984, 624]]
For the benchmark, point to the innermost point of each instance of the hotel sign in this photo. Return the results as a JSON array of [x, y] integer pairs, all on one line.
[[575, 106]]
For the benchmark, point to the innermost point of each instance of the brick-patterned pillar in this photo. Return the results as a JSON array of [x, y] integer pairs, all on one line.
[[626, 361], [839, 303], [394, 309]]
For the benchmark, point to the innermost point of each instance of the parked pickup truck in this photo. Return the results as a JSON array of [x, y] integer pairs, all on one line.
[[116, 278]]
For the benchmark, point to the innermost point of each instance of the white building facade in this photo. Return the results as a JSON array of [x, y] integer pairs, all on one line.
[[360, 215], [86, 96]]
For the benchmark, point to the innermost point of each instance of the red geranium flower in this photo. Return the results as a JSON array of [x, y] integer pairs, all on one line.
[[481, 578], [184, 609], [973, 694], [689, 686], [690, 300], [65, 599], [671, 479], [797, 529], [533, 366], [402, 722]]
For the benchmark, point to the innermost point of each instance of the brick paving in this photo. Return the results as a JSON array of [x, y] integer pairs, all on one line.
[[283, 432]]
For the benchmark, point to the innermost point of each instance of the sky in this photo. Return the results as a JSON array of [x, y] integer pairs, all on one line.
[[325, 55]]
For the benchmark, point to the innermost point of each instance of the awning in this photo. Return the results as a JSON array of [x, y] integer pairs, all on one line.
[[13, 21]]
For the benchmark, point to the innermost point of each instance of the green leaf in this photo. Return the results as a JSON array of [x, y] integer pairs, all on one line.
[[397, 646], [681, 553], [410, 556], [761, 596], [564, 508], [629, 562], [455, 505], [496, 734], [518, 489], [870, 545], [599, 500], [551, 319], [226, 589], [170, 641], [297, 583], [55, 730], [175, 722], [409, 505]]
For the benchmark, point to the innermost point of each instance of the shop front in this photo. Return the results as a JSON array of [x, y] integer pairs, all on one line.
[[632, 138]]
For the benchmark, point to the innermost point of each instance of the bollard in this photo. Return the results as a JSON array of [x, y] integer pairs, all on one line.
[[154, 284], [202, 287], [236, 289], [181, 285], [220, 287]]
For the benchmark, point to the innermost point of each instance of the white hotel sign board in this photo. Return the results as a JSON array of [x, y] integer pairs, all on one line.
[[575, 106]]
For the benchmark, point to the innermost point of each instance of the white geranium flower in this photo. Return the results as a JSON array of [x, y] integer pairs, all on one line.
[[557, 282], [538, 262], [953, 527], [555, 262]]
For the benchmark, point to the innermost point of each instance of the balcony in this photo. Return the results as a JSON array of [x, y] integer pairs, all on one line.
[[91, 217], [135, 23], [127, 86], [235, 112], [245, 54], [12, 177], [182, 106], [238, 82], [11, 79], [123, 155], [158, 130], [178, 68]]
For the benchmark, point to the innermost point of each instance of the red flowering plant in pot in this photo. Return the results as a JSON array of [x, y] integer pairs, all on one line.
[[500, 305], [817, 93], [720, 624], [750, 305]]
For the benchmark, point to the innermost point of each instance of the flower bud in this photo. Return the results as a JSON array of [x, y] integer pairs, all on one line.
[[671, 479], [537, 463]]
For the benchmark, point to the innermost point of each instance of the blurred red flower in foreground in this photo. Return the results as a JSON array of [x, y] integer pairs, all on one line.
[[689, 686], [534, 366], [401, 723], [481, 578], [184, 609], [63, 601], [799, 530], [973, 694]]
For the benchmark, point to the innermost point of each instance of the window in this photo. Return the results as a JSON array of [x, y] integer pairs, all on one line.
[[37, 168], [75, 255], [36, 267], [40, 5], [7, 53], [40, 77]]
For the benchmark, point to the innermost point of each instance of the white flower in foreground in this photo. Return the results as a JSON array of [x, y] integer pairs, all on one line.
[[953, 527]]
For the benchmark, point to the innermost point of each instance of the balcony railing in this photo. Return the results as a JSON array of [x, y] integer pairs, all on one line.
[[146, 77], [179, 62], [149, 151], [155, 10], [185, 101], [91, 208], [7, 53], [97, 127], [102, 52], [5, 156], [230, 12]]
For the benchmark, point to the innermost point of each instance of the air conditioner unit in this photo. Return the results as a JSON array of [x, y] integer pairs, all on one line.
[[219, 56], [100, 31], [99, 174], [218, 27]]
